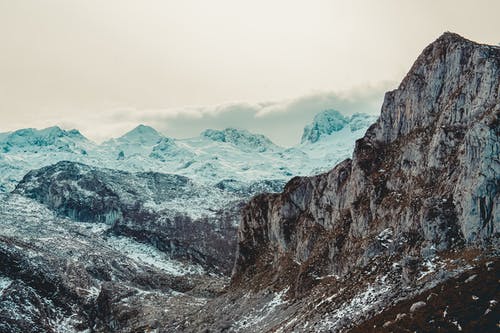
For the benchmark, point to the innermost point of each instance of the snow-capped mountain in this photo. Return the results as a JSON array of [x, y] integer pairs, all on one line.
[[55, 139], [212, 157], [324, 124], [135, 142]]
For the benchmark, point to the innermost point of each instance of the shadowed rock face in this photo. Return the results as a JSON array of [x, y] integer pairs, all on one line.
[[132, 205], [424, 178]]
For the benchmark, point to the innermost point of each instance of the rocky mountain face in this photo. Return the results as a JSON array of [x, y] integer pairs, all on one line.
[[386, 240], [57, 275], [422, 181]]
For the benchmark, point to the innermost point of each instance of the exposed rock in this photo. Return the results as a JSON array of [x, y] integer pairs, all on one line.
[[57, 275], [417, 306], [150, 207]]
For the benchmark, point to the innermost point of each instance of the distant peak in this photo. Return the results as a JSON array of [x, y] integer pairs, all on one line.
[[49, 132], [142, 134], [325, 123], [142, 129], [239, 137]]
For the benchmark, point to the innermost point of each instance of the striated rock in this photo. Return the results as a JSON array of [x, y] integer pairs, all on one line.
[[427, 172], [57, 275]]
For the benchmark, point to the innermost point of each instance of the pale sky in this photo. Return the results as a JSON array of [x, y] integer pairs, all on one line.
[[104, 66]]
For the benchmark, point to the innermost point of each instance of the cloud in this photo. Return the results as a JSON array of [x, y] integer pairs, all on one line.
[[282, 121]]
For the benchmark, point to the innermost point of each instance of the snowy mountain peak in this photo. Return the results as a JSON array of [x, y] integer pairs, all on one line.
[[240, 138], [324, 123], [329, 122], [31, 138], [142, 134]]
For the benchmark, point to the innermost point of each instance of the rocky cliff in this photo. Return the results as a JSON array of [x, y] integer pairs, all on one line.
[[422, 181]]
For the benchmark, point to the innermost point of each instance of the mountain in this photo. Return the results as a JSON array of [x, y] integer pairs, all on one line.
[[240, 138], [138, 141], [415, 210], [325, 123], [141, 134], [57, 275], [52, 138], [330, 122], [403, 236], [148, 207]]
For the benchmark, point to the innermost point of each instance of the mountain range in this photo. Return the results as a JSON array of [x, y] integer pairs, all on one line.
[[214, 156]]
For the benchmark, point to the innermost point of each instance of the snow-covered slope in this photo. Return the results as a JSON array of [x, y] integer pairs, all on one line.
[[214, 156]]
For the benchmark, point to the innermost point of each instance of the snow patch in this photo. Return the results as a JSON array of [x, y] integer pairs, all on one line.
[[5, 283], [149, 255], [258, 316]]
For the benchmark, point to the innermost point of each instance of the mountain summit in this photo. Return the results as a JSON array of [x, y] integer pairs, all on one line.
[[142, 134], [324, 123], [52, 138], [240, 138], [329, 122]]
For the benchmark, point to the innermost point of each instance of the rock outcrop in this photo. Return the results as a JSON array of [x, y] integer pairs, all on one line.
[[424, 178]]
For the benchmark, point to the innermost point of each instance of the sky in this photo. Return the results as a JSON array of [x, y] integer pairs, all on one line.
[[105, 66]]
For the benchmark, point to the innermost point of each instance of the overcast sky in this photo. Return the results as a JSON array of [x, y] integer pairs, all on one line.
[[104, 66]]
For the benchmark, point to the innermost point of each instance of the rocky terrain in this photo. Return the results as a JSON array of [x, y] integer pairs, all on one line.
[[58, 275], [401, 237], [186, 220]]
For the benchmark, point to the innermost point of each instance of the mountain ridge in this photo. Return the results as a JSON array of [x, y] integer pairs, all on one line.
[[212, 157]]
